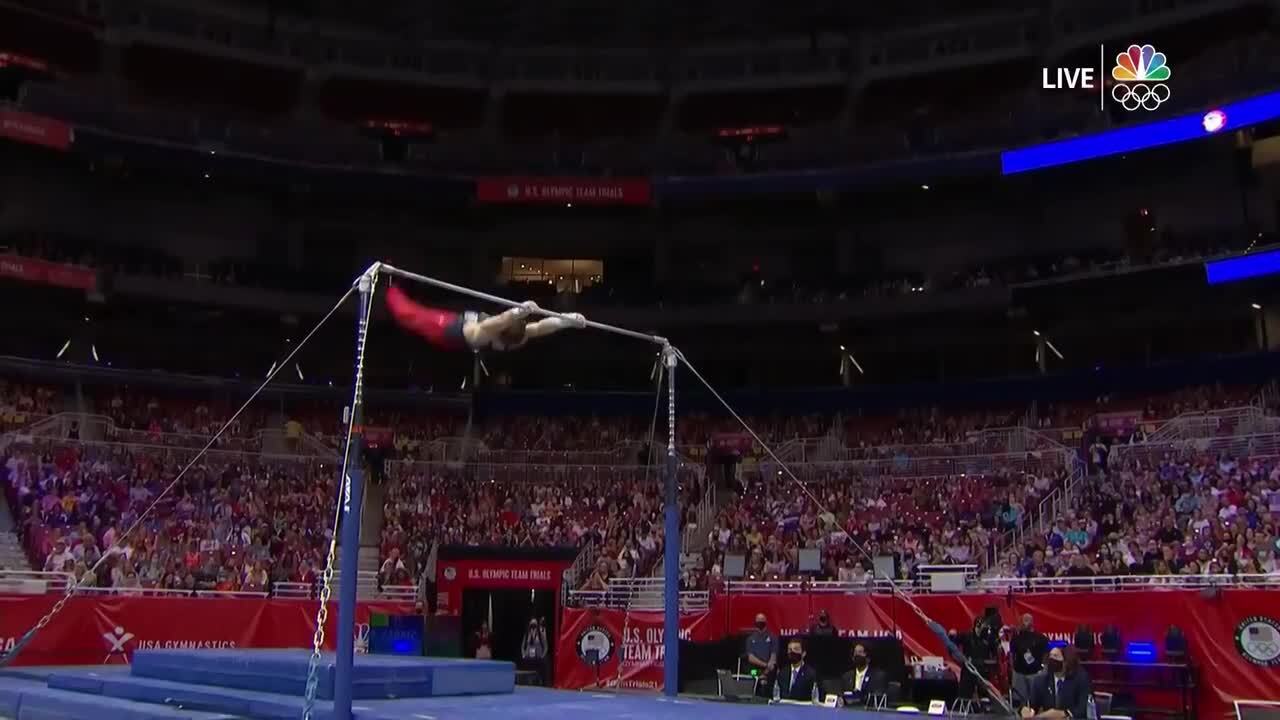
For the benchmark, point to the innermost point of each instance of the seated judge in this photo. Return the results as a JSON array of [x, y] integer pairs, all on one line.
[[863, 680], [1062, 690], [796, 679]]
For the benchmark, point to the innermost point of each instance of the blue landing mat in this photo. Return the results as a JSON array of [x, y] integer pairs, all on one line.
[[524, 704], [285, 672], [22, 699]]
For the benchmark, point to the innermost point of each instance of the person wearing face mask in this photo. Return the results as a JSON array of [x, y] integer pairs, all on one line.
[[762, 650], [823, 626], [1062, 691], [1026, 658], [863, 681], [796, 679]]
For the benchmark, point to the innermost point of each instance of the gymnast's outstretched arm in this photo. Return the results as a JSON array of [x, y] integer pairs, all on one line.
[[546, 326]]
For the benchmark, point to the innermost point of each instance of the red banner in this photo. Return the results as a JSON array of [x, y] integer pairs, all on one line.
[[35, 130], [454, 576], [23, 61], [731, 443], [630, 646], [563, 191], [43, 272], [92, 631], [1118, 422], [1233, 637]]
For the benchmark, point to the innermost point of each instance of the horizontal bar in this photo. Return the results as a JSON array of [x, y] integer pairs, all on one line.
[[656, 339]]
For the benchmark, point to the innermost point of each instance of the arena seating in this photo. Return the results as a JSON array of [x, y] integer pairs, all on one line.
[[244, 520]]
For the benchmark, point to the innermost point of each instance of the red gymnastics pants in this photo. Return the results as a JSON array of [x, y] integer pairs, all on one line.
[[442, 328]]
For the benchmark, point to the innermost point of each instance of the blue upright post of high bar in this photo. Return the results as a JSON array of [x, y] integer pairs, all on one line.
[[352, 503], [671, 557]]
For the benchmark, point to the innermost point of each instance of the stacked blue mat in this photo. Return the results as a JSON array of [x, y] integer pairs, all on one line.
[[265, 684]]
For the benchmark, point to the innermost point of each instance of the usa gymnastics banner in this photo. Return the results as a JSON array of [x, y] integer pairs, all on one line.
[[563, 191], [35, 130], [107, 630], [1233, 637]]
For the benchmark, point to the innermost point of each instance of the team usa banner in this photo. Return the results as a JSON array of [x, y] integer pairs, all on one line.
[[1233, 637], [566, 191]]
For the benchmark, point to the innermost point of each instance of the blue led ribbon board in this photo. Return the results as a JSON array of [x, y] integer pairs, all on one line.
[[1243, 267], [1132, 138]]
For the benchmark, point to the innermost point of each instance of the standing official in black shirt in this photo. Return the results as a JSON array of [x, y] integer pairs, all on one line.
[[1026, 659]]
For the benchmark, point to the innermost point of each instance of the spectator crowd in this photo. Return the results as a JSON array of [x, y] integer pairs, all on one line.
[[242, 520]]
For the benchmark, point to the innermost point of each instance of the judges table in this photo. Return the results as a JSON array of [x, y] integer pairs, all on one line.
[[829, 656]]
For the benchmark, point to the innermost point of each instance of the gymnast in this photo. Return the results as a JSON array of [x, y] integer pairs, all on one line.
[[476, 331]]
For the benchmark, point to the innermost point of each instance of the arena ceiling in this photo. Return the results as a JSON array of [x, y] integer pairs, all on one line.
[[630, 24]]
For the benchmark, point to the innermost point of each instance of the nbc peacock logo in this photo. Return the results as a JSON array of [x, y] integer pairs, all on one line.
[[1141, 74]]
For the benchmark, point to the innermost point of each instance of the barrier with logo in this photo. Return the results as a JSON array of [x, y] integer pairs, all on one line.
[[96, 630], [1233, 636]]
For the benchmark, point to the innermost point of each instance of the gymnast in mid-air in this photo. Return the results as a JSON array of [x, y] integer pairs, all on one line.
[[476, 331]]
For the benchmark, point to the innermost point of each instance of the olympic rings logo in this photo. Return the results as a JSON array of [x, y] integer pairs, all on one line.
[[1132, 96], [1263, 649]]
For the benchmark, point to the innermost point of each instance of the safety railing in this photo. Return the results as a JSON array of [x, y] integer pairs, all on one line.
[[1152, 451], [695, 534], [1229, 421], [649, 593], [640, 594], [1039, 463], [582, 564], [478, 472], [24, 582], [997, 585], [33, 582], [994, 441], [536, 473], [274, 441], [168, 592]]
